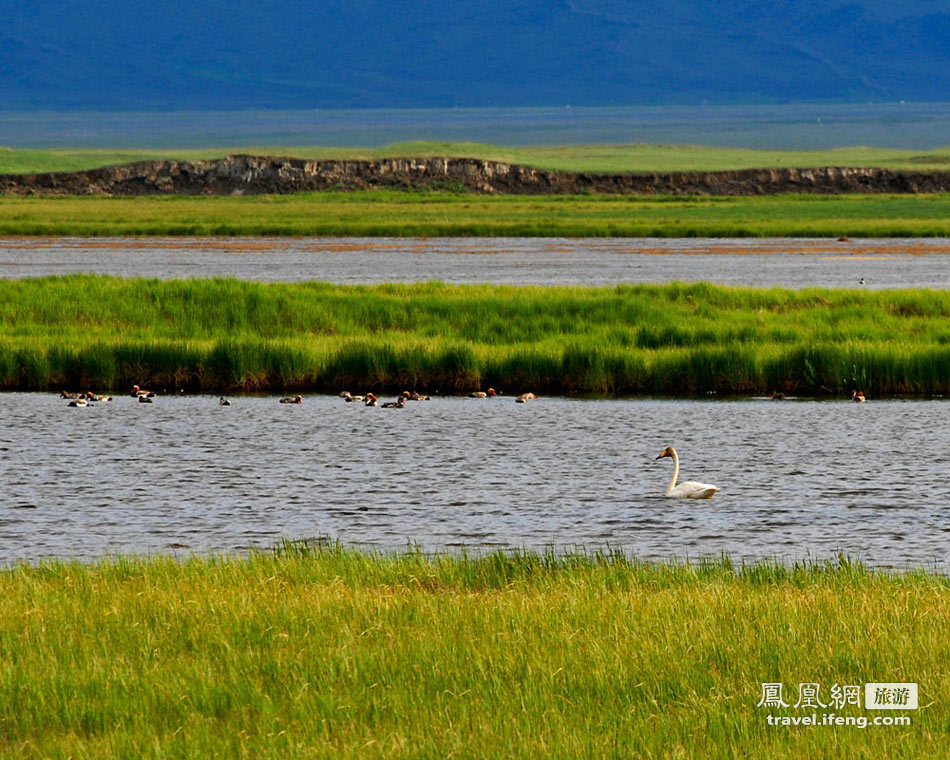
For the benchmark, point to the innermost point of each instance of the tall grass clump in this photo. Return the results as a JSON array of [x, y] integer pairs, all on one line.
[[86, 331], [323, 651]]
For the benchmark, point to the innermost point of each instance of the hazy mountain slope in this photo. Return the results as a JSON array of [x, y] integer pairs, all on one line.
[[241, 53]]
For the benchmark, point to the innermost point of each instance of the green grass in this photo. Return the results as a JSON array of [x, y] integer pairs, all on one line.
[[606, 159], [325, 652], [394, 213], [87, 331]]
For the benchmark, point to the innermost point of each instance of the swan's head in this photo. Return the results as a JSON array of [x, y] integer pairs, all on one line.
[[667, 452]]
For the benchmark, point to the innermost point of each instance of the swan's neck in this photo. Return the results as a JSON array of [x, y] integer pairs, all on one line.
[[676, 473]]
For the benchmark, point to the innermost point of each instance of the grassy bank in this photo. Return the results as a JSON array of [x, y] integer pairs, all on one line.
[[429, 214], [86, 331], [606, 159], [331, 653]]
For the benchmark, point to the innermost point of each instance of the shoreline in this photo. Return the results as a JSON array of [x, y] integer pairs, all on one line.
[[242, 174], [550, 558]]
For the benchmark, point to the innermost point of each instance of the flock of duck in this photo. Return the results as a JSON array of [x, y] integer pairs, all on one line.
[[88, 397], [369, 399]]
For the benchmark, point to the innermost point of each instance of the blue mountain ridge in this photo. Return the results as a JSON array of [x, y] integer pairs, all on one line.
[[63, 54]]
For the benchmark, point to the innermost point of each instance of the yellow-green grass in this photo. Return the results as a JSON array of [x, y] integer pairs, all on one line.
[[606, 159], [324, 652], [393, 213], [85, 331]]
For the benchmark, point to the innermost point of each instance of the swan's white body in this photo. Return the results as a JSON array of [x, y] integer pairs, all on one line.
[[689, 489]]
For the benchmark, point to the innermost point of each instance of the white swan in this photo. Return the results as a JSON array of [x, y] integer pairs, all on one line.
[[688, 490]]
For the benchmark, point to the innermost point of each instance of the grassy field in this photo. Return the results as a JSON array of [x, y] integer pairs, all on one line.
[[86, 331], [393, 213], [607, 159], [324, 652]]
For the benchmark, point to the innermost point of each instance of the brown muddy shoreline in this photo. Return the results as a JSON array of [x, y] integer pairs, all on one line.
[[254, 175]]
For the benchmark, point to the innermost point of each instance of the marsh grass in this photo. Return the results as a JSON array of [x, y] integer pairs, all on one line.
[[320, 651], [84, 331], [429, 213], [606, 159]]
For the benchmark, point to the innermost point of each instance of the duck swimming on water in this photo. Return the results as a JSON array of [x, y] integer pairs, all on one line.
[[298, 399]]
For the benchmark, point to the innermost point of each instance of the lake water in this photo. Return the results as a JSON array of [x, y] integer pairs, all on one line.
[[777, 127], [798, 479], [792, 263]]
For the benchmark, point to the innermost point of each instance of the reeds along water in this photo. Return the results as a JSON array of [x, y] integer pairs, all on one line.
[[86, 331]]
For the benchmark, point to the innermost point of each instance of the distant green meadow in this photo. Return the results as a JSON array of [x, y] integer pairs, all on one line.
[[324, 652], [88, 332], [606, 159], [433, 214]]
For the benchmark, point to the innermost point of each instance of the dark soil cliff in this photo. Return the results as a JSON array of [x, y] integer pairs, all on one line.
[[237, 175]]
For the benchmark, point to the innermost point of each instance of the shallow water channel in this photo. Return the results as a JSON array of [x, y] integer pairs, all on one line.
[[780, 262], [798, 479]]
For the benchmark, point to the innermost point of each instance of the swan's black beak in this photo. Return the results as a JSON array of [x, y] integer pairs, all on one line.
[[658, 458]]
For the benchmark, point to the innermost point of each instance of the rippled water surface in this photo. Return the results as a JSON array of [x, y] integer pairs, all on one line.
[[798, 478], [793, 263]]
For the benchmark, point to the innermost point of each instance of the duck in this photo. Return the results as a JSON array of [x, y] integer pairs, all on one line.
[[136, 391], [349, 397], [777, 396], [298, 399], [483, 394], [399, 403], [78, 402], [524, 398], [145, 400], [858, 397], [689, 489], [414, 396], [223, 402], [371, 399], [90, 396], [67, 394]]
